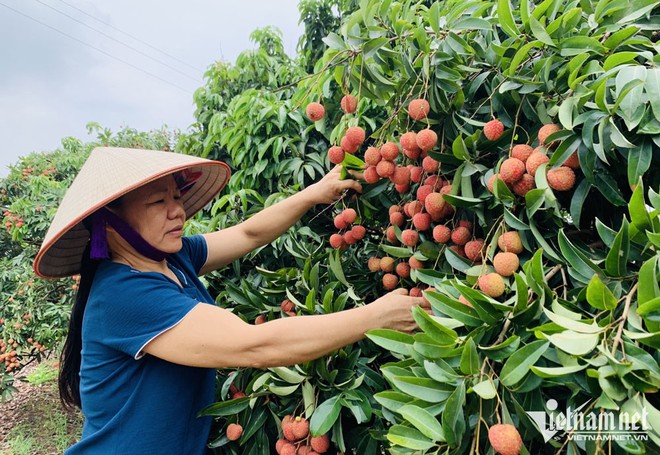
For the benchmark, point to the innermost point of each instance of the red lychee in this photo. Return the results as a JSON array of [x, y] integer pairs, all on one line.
[[355, 135], [315, 111], [435, 181], [506, 263], [505, 439], [434, 204], [491, 181], [385, 168], [373, 264], [349, 239], [521, 151], [386, 264], [441, 233], [416, 174], [572, 161], [415, 263], [493, 130], [397, 219], [561, 178], [234, 431], [415, 292], [405, 188], [321, 444], [414, 207], [394, 208], [390, 281], [464, 301], [287, 305], [389, 151], [280, 443], [510, 241], [466, 224], [336, 154], [427, 139], [349, 215], [358, 231], [412, 154], [512, 170], [300, 426], [372, 156], [287, 428], [547, 130], [348, 146], [474, 249], [534, 161], [409, 237], [461, 235], [260, 319], [390, 234], [371, 175], [430, 165], [491, 284], [422, 221], [401, 175], [409, 141], [336, 241], [423, 191], [348, 104], [340, 222], [403, 270], [419, 109], [458, 249], [288, 449], [524, 185]]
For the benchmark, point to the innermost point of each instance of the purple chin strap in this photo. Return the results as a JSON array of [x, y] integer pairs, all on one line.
[[99, 246]]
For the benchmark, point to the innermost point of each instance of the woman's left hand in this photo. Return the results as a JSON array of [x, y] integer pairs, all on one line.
[[331, 187]]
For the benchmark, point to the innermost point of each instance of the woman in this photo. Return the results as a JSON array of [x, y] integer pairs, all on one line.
[[145, 335]]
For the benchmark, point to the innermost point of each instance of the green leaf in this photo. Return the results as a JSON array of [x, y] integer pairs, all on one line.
[[517, 366], [618, 58], [398, 342], [335, 41], [485, 389], [573, 342], [422, 388], [433, 328], [325, 415], [421, 419], [504, 13], [648, 281], [226, 408], [408, 437], [637, 207], [372, 46], [335, 266], [599, 296], [393, 400], [571, 324], [453, 419], [539, 31], [470, 358], [288, 375], [521, 55], [579, 44], [502, 350], [617, 259], [578, 200], [576, 258], [639, 161], [556, 372]]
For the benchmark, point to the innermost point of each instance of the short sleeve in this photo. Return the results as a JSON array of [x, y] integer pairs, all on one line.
[[195, 250], [144, 305]]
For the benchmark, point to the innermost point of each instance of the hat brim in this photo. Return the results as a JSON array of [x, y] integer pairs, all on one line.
[[61, 252]]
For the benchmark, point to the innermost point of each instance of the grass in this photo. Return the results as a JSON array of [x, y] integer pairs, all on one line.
[[45, 427]]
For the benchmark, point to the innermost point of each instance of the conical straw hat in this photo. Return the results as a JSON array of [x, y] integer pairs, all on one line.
[[108, 173]]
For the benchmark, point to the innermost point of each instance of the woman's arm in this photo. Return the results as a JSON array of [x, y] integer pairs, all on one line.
[[212, 337], [262, 228]]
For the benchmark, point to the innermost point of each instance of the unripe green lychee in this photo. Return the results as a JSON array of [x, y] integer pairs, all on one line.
[[427, 139], [561, 178], [315, 111], [510, 241], [534, 161], [512, 170], [348, 104], [491, 284], [418, 109], [505, 439], [493, 130], [521, 151], [506, 263]]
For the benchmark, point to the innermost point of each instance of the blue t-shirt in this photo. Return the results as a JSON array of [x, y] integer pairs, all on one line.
[[135, 403]]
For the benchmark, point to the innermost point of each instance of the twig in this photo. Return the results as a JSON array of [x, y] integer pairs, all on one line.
[[624, 317]]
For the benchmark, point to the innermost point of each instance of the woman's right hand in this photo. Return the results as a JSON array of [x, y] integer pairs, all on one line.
[[394, 310]]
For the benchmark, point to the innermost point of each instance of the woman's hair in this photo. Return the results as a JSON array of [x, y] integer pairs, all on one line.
[[70, 358]]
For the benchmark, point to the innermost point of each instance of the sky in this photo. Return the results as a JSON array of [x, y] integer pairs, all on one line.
[[64, 63]]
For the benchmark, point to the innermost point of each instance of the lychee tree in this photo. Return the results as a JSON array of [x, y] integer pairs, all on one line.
[[510, 154]]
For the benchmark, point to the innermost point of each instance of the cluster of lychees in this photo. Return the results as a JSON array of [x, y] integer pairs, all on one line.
[[505, 263], [12, 220], [347, 237], [518, 171], [297, 440]]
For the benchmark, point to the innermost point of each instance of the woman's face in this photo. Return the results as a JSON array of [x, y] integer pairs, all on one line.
[[156, 212]]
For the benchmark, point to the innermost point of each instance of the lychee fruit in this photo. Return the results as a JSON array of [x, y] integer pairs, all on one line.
[[358, 231], [321, 444], [491, 181], [336, 154], [561, 178], [300, 427], [390, 281], [280, 443], [505, 439], [355, 135], [441, 233], [371, 175], [348, 104], [234, 431], [572, 161], [461, 235], [493, 130], [348, 146], [397, 218], [506, 263], [524, 185], [419, 109], [491, 284], [373, 264], [315, 111], [260, 319], [403, 270], [430, 165], [510, 242], [385, 168], [512, 170], [386, 264], [349, 238], [405, 188], [287, 305], [416, 173], [336, 241], [474, 249], [434, 204], [415, 263], [288, 449], [458, 249], [390, 234], [349, 215], [414, 207], [389, 151], [401, 175], [534, 161], [427, 139], [521, 151], [435, 181], [372, 156], [306, 450], [466, 223], [409, 237], [412, 154], [423, 191], [547, 130], [422, 221], [394, 208], [408, 141], [464, 301], [287, 428], [340, 222], [415, 292]]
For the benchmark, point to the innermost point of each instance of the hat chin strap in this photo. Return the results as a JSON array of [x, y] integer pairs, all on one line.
[[99, 240]]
